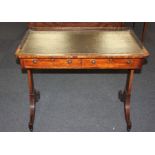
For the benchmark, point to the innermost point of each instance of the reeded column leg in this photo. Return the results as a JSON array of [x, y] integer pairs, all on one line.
[[33, 97], [125, 97]]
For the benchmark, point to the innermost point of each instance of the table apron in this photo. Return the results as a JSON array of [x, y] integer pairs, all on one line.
[[85, 63]]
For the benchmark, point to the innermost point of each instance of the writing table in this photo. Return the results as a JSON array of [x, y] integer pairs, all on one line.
[[81, 48]]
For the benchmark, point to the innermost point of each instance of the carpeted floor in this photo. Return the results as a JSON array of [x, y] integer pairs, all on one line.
[[77, 101]]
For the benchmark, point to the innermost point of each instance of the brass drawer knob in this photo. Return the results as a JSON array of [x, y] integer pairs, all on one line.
[[129, 61], [93, 61], [34, 61], [69, 61]]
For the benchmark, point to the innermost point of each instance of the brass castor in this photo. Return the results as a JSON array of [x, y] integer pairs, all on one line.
[[129, 128], [31, 127]]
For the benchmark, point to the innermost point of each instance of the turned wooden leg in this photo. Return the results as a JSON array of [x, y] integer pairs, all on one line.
[[34, 97], [125, 97]]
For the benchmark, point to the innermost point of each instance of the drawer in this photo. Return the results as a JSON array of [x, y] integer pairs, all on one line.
[[112, 63], [51, 63]]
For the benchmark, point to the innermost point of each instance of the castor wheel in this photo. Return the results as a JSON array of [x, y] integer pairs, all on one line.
[[37, 95], [129, 128], [31, 127], [121, 96]]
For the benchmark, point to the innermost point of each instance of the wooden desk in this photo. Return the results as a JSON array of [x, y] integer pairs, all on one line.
[[81, 48]]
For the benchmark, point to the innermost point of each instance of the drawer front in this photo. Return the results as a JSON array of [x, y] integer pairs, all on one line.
[[112, 63], [51, 63]]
